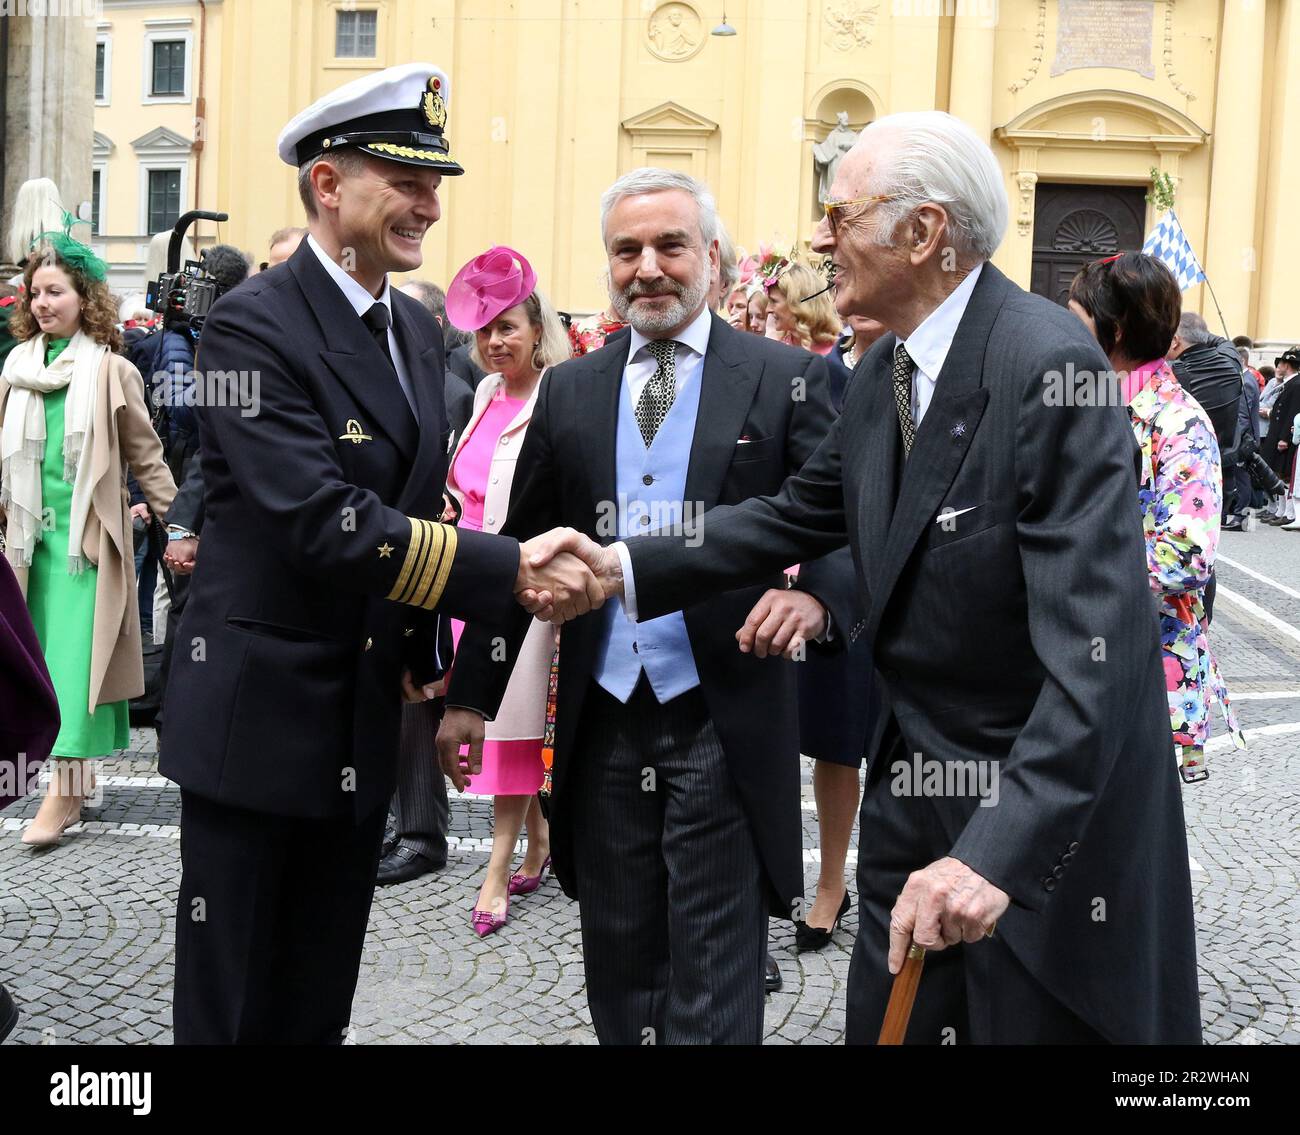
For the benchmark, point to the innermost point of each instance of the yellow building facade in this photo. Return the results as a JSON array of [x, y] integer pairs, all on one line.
[[552, 99]]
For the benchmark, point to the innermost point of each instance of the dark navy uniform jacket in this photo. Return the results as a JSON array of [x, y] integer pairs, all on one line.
[[321, 568]]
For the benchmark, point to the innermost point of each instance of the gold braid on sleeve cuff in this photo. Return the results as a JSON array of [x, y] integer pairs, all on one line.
[[428, 561]]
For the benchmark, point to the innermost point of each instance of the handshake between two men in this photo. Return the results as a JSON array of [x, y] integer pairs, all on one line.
[[564, 574]]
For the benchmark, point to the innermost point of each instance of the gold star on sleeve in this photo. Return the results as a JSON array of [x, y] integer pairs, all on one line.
[[385, 551], [427, 565]]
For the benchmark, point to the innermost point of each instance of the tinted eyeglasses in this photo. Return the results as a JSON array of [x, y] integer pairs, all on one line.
[[833, 207]]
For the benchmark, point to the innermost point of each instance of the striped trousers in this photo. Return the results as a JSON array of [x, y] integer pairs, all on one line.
[[670, 891]]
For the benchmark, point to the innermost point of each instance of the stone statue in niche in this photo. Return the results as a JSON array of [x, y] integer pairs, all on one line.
[[828, 154]]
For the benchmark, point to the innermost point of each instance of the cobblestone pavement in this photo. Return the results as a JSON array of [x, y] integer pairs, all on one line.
[[86, 938]]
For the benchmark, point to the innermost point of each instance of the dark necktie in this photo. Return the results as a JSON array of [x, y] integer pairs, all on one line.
[[658, 393], [903, 397], [376, 320]]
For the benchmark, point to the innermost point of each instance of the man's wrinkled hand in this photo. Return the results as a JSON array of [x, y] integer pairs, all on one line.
[[781, 622], [461, 728], [564, 574], [941, 905]]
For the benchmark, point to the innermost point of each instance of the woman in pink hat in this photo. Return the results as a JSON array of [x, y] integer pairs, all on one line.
[[517, 336]]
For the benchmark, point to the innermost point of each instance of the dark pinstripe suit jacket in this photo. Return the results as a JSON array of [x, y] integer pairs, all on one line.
[[1023, 632]]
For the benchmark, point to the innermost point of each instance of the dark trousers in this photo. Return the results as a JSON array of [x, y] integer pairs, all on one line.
[[419, 805], [899, 835], [270, 921], [674, 919], [146, 576], [1237, 490]]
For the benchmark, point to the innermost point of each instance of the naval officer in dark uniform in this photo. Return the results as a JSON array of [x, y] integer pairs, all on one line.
[[314, 606]]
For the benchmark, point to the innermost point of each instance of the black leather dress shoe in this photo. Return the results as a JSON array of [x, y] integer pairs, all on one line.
[[403, 864], [814, 937], [771, 975], [8, 1014]]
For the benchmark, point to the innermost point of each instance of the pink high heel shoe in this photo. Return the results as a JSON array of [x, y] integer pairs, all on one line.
[[485, 922], [527, 884]]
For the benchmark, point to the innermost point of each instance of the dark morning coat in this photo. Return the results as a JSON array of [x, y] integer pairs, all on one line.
[[752, 387], [318, 573], [1024, 632]]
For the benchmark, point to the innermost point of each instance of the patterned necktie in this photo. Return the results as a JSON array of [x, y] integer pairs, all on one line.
[[376, 320], [903, 396], [657, 395]]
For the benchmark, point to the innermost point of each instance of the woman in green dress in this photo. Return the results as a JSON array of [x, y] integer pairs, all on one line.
[[73, 418]]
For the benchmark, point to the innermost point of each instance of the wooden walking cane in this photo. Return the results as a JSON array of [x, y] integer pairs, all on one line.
[[901, 997]]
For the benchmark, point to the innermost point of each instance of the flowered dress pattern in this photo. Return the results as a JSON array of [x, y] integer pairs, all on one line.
[[1181, 498], [590, 334]]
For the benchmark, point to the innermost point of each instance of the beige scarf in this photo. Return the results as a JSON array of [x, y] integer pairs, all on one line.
[[22, 441]]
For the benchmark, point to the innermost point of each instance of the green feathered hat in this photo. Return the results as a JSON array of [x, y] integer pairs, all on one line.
[[71, 251]]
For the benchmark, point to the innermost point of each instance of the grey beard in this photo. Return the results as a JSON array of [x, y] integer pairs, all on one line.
[[651, 323]]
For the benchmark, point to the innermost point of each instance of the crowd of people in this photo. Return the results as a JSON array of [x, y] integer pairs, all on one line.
[[648, 751]]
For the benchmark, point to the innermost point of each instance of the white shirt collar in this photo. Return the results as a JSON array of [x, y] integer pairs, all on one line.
[[928, 345], [695, 337], [360, 299]]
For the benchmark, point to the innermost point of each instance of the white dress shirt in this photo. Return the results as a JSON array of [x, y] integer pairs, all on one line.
[[641, 365], [691, 346], [362, 301], [928, 345]]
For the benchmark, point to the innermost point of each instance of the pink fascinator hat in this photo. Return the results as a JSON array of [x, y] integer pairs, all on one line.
[[493, 282]]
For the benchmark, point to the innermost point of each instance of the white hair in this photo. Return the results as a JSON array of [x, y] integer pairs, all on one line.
[[1192, 329], [155, 262], [37, 209], [938, 158], [728, 268], [652, 179]]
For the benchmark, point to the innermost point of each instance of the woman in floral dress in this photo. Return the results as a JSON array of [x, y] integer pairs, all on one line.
[[1132, 303]]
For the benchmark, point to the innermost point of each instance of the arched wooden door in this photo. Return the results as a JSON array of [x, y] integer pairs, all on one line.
[[1074, 224]]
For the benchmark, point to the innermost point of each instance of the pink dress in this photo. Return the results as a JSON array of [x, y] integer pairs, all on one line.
[[510, 768]]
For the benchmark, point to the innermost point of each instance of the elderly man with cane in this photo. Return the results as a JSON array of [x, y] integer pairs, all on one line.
[[1022, 775]]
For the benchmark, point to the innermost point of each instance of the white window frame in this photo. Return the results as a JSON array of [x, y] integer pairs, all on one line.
[[148, 165], [166, 30], [352, 62], [107, 40], [101, 168], [356, 8]]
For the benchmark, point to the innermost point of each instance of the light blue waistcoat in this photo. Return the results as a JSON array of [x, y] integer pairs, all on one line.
[[660, 646]]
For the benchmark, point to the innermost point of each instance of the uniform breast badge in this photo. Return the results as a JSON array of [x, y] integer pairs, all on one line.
[[353, 433]]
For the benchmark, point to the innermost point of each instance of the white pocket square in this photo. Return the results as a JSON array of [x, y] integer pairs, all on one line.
[[952, 514]]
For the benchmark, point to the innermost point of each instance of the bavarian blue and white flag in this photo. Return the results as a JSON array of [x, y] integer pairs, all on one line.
[[1169, 244]]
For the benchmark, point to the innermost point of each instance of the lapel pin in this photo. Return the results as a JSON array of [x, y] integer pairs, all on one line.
[[958, 431], [354, 434]]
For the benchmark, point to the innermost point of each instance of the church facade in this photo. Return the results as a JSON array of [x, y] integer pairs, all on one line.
[[551, 99]]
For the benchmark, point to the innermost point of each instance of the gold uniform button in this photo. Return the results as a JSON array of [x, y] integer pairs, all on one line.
[[407, 632], [369, 643]]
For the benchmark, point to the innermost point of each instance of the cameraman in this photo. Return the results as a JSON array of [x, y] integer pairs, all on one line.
[[165, 357]]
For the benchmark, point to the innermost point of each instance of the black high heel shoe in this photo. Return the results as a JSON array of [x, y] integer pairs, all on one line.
[[814, 937]]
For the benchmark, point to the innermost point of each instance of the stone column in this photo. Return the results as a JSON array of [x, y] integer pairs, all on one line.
[[49, 105], [1231, 258], [1277, 319], [970, 95]]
